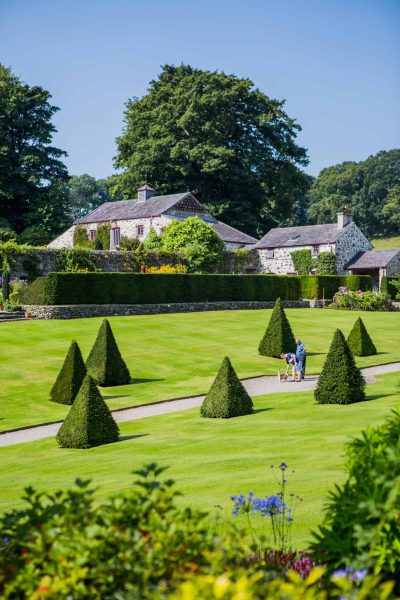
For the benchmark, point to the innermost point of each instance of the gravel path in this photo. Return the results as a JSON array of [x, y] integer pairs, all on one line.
[[256, 386]]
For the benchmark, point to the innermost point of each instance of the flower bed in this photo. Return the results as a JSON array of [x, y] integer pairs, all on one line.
[[346, 299]]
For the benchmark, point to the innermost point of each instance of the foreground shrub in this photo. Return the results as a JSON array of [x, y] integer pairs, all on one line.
[[227, 397], [359, 340], [89, 421], [345, 299], [302, 261], [326, 263], [70, 377], [341, 381], [105, 363], [278, 337], [361, 527]]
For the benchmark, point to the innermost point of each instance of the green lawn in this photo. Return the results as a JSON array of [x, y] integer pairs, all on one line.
[[169, 356], [212, 459], [390, 243]]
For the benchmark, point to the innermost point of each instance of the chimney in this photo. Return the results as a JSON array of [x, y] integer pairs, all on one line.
[[145, 193], [344, 218]]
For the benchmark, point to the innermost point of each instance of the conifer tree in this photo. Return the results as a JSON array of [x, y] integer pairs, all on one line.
[[105, 363], [227, 396], [70, 377], [341, 381], [89, 421], [278, 336], [359, 340]]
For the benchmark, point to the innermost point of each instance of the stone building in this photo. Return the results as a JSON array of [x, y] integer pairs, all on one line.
[[353, 251], [134, 218]]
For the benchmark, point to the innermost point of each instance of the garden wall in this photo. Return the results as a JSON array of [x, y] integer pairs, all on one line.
[[135, 288]]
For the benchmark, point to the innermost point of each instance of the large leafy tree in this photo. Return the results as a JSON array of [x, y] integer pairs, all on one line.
[[369, 188], [218, 136], [33, 194], [86, 193]]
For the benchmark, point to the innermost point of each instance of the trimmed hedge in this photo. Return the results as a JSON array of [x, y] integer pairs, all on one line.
[[278, 336], [139, 288], [70, 377], [105, 363], [387, 286]]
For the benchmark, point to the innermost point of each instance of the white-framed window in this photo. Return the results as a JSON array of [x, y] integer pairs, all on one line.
[[139, 230], [315, 250], [92, 234], [116, 236], [270, 253]]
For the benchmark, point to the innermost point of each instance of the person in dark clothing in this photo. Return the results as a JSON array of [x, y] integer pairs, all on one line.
[[291, 361]]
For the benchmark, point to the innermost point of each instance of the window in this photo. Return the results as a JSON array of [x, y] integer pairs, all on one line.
[[270, 253], [139, 230], [315, 250], [92, 234], [294, 238], [116, 236]]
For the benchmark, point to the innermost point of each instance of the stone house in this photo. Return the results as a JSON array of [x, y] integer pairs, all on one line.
[[353, 251], [134, 218]]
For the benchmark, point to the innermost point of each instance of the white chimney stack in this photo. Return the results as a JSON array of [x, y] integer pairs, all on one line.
[[344, 218]]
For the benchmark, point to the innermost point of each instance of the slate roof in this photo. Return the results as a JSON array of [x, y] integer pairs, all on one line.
[[308, 235], [372, 259], [132, 209], [230, 234]]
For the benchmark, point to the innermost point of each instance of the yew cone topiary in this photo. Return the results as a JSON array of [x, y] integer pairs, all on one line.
[[89, 421], [70, 377], [341, 381], [227, 396], [278, 337], [105, 363], [359, 340]]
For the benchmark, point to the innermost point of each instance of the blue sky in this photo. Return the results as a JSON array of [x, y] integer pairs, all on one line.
[[335, 62]]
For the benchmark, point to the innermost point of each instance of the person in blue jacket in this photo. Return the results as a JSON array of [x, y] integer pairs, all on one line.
[[301, 356]]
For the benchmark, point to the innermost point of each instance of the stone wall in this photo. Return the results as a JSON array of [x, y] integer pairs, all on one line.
[[351, 242], [80, 311], [281, 263], [393, 267]]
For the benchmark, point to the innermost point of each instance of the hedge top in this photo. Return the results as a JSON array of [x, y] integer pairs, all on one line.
[[105, 363], [278, 336], [138, 288]]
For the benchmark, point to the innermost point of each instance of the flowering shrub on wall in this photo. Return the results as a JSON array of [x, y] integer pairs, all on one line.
[[345, 299], [167, 269]]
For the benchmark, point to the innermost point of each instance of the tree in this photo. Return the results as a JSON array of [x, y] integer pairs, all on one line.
[[70, 377], [369, 188], [153, 240], [359, 340], [340, 382], [89, 422], [219, 136], [105, 363], [86, 193], [32, 176], [227, 397], [278, 337], [197, 241]]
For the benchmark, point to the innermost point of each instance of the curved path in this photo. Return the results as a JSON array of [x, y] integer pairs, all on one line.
[[256, 386]]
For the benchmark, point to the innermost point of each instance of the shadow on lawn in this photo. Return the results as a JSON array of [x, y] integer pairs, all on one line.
[[258, 410], [125, 438], [112, 397], [376, 397], [138, 380]]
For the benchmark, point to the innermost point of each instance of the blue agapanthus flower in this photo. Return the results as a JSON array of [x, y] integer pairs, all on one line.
[[269, 506]]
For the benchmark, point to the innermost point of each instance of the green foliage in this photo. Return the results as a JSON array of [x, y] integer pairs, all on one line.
[[326, 263], [86, 193], [105, 363], [240, 259], [76, 260], [129, 244], [278, 336], [138, 288], [7, 234], [302, 261], [204, 124], [369, 188], [345, 299], [341, 381], [33, 179], [103, 235], [70, 377], [89, 422], [361, 527], [359, 341], [81, 239], [197, 241], [390, 285], [153, 240], [227, 397], [6, 283]]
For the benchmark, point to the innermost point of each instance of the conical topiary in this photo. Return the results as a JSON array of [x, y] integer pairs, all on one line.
[[89, 421], [341, 381], [359, 340], [70, 377], [227, 396], [105, 363], [278, 336]]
